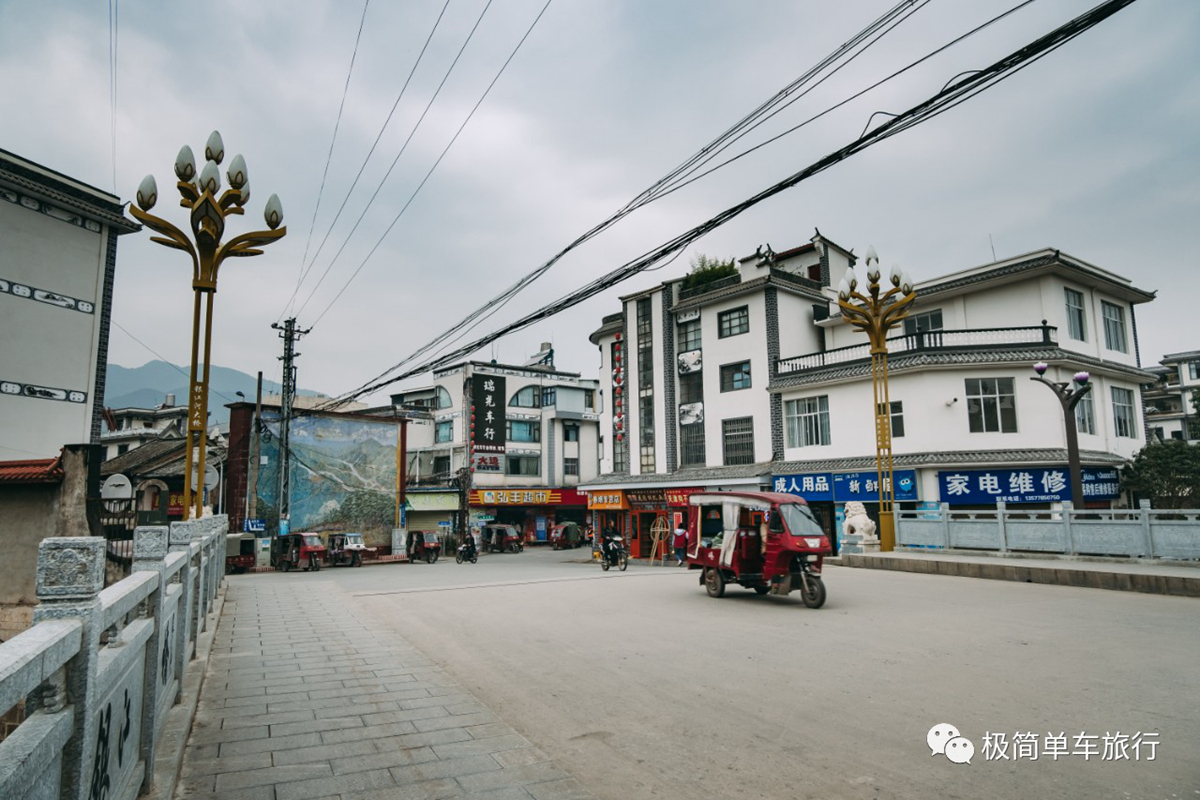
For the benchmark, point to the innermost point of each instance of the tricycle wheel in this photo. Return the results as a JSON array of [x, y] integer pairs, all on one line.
[[315, 563], [813, 592], [714, 582], [357, 560], [287, 566], [761, 589], [429, 558]]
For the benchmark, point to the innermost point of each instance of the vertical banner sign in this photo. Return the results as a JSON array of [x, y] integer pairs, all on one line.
[[488, 398]]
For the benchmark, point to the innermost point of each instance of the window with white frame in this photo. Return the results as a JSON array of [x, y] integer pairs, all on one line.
[[991, 405], [733, 322], [1194, 370], [1114, 327], [1124, 420], [688, 336], [738, 439], [735, 376], [1076, 319], [807, 421], [523, 465], [1085, 415], [443, 432], [527, 397], [570, 431], [521, 431]]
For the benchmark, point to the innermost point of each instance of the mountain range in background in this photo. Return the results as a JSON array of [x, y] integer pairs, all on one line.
[[148, 385]]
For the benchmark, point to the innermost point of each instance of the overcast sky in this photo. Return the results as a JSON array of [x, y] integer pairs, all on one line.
[[1092, 150]]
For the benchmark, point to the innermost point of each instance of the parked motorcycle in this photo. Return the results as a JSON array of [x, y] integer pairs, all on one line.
[[613, 554], [466, 551]]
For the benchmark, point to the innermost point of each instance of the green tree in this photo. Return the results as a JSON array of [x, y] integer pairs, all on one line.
[[1193, 431], [705, 270], [1166, 473]]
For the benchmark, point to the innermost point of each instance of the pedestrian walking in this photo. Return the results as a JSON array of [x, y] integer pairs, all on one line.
[[680, 544]]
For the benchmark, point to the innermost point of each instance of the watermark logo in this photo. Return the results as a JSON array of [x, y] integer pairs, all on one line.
[[944, 739]]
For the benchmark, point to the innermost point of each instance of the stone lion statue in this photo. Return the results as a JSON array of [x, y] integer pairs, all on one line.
[[857, 521]]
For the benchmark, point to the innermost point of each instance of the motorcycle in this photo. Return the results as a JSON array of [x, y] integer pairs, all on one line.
[[467, 552], [613, 554]]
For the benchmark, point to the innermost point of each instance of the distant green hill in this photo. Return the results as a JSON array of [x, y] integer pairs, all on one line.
[[148, 385]]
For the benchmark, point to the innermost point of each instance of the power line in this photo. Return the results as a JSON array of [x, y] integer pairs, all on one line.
[[472, 320], [949, 97], [395, 160], [329, 157], [163, 359], [453, 139], [370, 152]]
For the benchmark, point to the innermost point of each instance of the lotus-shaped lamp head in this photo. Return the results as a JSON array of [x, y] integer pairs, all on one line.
[[872, 256], [851, 278], [273, 212], [1041, 367], [843, 290], [1082, 378], [895, 275], [214, 150], [147, 193], [185, 164], [210, 178], [237, 172]]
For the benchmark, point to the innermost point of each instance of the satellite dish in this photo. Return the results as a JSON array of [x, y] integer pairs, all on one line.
[[210, 478], [116, 487]]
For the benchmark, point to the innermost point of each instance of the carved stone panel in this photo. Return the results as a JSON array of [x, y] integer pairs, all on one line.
[[70, 567]]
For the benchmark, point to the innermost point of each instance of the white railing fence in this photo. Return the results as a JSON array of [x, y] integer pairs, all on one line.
[[1141, 532], [100, 668]]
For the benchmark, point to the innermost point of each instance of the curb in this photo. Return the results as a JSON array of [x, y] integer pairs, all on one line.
[[1146, 583], [168, 756]]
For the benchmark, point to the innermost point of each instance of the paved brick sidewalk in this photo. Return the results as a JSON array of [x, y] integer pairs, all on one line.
[[306, 699]]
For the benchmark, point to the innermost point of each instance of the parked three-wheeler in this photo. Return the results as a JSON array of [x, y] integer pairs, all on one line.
[[502, 539], [303, 550], [347, 549], [564, 535], [239, 553], [765, 541]]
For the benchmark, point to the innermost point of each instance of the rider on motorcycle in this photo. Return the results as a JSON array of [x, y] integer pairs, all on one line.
[[611, 546], [469, 546]]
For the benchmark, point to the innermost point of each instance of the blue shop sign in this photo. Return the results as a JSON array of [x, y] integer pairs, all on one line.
[[845, 487], [1029, 485]]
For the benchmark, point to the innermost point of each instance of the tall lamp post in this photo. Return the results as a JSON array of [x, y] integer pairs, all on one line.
[[1069, 394], [876, 314], [207, 217]]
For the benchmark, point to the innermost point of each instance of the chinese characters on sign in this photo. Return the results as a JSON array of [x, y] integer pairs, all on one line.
[[1031, 485], [844, 487], [487, 463], [611, 500], [1028, 746], [488, 399]]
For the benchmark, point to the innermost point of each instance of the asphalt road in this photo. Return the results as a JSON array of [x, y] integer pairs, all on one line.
[[641, 685]]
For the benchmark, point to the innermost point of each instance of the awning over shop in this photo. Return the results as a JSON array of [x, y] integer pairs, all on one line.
[[432, 501]]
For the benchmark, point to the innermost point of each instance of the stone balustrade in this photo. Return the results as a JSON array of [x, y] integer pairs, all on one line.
[[101, 667]]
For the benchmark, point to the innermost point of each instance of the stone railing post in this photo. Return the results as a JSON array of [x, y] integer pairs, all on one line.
[[1002, 524], [150, 545], [944, 513], [1068, 511], [181, 542], [200, 537], [1147, 530], [70, 575]]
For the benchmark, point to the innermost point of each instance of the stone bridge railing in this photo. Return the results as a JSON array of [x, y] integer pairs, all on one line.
[[100, 668], [1142, 532]]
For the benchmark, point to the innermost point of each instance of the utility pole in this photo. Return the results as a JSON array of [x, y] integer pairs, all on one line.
[[290, 335], [252, 482]]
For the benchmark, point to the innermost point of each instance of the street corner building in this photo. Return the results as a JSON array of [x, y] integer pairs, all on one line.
[[754, 381]]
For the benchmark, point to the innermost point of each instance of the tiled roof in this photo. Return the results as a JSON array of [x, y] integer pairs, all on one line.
[[955, 458], [862, 368], [39, 470], [133, 460], [174, 468]]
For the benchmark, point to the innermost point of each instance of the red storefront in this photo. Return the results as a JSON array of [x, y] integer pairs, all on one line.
[[534, 510]]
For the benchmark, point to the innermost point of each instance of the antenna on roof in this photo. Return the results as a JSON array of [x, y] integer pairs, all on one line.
[[993, 244]]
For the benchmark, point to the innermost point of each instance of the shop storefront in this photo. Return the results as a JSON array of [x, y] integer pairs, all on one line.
[[608, 510], [430, 511], [535, 511], [828, 492]]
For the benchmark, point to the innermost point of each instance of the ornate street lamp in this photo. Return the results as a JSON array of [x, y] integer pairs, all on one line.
[[876, 314], [207, 218], [1069, 394]]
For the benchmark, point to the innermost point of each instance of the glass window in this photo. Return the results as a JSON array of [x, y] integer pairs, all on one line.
[[441, 466], [1114, 327], [1075, 316], [735, 376], [691, 388], [807, 421], [691, 445], [928, 321], [1123, 416], [589, 398], [571, 466], [527, 397], [738, 438], [646, 429], [443, 432], [733, 322], [570, 432], [548, 395], [441, 398], [523, 465], [1194, 370], [520, 431], [991, 405], [689, 336], [897, 415], [1085, 415]]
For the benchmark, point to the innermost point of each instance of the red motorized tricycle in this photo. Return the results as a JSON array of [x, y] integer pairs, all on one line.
[[303, 550], [765, 541]]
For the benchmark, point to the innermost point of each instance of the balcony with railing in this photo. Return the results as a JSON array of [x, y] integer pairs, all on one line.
[[977, 339]]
